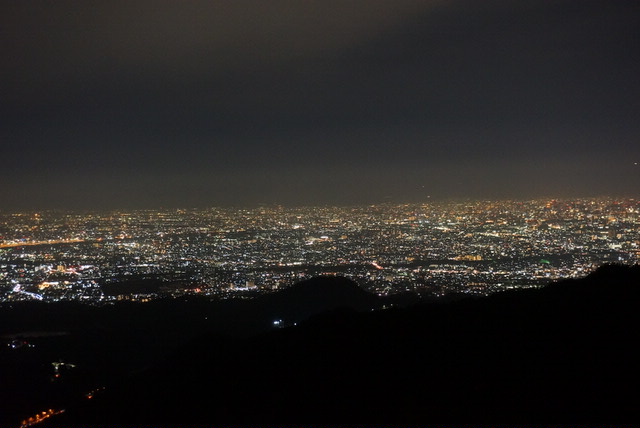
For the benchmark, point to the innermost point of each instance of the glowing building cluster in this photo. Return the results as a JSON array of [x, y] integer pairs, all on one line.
[[430, 249]]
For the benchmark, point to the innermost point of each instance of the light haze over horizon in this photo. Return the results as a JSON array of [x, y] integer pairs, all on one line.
[[146, 104]]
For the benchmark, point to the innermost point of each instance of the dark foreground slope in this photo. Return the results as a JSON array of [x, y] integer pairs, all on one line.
[[112, 341], [563, 354]]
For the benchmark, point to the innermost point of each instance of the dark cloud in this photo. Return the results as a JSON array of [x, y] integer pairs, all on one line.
[[191, 37], [214, 102]]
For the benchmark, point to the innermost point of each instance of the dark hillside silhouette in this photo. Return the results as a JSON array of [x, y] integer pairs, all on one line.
[[314, 296], [563, 354], [111, 342]]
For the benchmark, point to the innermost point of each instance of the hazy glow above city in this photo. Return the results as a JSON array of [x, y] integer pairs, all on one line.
[[148, 104]]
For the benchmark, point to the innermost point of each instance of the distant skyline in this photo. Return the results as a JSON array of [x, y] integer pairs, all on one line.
[[144, 104]]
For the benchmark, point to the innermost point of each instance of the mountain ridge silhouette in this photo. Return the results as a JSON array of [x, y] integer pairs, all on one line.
[[557, 355]]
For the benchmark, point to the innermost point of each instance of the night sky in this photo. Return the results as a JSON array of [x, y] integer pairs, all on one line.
[[144, 104]]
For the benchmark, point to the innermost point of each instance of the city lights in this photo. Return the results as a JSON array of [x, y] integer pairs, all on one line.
[[430, 249]]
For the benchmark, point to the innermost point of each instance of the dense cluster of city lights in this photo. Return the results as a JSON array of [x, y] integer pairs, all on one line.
[[477, 247]]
